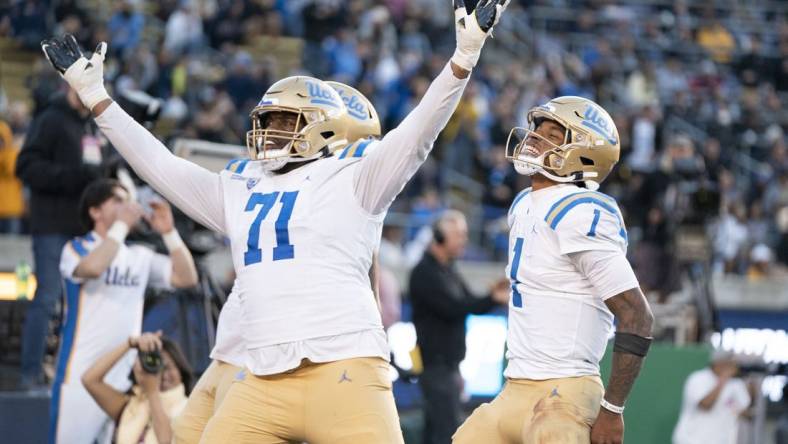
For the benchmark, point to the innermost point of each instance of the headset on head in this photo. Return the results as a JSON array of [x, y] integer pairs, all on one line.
[[437, 233]]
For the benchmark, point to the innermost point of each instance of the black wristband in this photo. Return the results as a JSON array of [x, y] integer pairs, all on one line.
[[632, 344]]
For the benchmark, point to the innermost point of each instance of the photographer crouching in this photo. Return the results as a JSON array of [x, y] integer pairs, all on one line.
[[161, 382]]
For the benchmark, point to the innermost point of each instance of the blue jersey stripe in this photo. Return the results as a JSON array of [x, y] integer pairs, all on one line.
[[230, 164], [241, 166], [592, 231], [518, 198], [66, 348], [78, 247], [580, 201], [517, 298], [345, 151], [361, 147], [602, 196]]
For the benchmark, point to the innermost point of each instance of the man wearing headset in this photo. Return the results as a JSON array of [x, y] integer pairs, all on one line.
[[441, 301]]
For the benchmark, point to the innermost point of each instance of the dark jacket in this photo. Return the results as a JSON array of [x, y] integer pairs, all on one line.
[[50, 164], [441, 301]]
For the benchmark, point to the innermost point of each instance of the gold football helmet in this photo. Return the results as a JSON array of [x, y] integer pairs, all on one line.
[[590, 148], [319, 129], [362, 119]]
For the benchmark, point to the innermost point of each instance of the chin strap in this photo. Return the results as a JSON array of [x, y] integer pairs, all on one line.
[[533, 166]]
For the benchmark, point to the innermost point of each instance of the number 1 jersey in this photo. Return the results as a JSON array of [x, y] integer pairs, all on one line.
[[558, 321]]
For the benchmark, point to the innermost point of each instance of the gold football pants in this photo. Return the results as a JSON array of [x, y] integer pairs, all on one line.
[[348, 401], [203, 402], [553, 411]]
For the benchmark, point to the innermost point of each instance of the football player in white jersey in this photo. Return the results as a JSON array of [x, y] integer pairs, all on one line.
[[105, 283], [302, 236], [228, 354], [569, 278]]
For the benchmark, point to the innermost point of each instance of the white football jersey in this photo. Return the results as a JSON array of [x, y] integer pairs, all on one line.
[[302, 248], [230, 346], [558, 323], [103, 312]]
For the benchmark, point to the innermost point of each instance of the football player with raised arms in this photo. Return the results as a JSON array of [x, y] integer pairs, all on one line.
[[302, 236], [228, 356], [569, 278]]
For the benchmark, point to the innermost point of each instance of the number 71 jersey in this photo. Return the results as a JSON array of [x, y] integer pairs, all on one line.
[[558, 323], [302, 248]]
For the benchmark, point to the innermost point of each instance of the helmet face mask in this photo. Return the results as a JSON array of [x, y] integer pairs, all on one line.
[[319, 115], [267, 143], [590, 145]]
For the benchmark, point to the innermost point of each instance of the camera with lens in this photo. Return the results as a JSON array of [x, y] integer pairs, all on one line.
[[762, 368], [151, 361]]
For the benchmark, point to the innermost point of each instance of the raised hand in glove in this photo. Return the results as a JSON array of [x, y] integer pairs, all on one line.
[[473, 28], [85, 76]]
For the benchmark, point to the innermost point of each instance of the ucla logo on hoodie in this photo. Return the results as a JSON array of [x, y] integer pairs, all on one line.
[[599, 123], [320, 95]]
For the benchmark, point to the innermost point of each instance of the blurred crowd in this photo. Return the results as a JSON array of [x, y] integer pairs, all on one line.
[[698, 91]]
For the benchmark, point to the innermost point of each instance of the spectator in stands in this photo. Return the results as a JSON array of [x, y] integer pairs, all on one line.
[[761, 259], [652, 259], [143, 413], [225, 28], [781, 73], [58, 160], [776, 194], [125, 28], [441, 301], [140, 72], [340, 52], [214, 120], [500, 185], [5, 21], [642, 85], [731, 238], [320, 19], [66, 8], [19, 120], [713, 399], [424, 211], [184, 29], [715, 38], [782, 228], [644, 139], [28, 22], [461, 134], [12, 205], [239, 80]]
